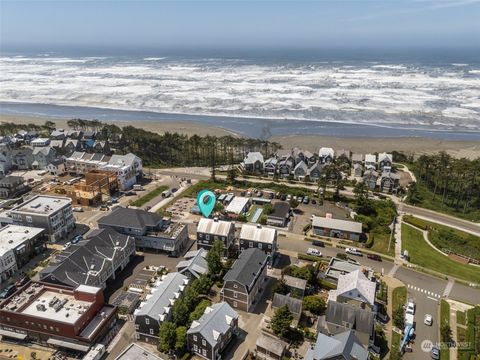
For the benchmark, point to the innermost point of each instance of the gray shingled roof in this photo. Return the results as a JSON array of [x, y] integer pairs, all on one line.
[[131, 218], [215, 321], [356, 318], [194, 262], [73, 266], [294, 305], [247, 266], [163, 296], [280, 209], [344, 345]]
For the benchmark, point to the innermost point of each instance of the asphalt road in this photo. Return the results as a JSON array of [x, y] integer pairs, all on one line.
[[441, 218]]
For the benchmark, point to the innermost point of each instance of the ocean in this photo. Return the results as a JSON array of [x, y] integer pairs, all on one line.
[[358, 94]]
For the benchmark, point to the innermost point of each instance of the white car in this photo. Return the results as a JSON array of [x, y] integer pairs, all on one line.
[[77, 209], [353, 251], [314, 252], [428, 320], [410, 308]]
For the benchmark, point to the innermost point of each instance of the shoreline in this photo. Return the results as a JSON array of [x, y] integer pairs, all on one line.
[[408, 144]]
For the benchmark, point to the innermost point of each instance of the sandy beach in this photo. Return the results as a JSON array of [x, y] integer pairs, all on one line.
[[411, 145]]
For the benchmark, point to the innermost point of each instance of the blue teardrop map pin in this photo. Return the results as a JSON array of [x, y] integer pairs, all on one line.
[[206, 202]]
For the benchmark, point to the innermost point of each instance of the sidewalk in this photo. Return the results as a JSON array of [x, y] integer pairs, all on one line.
[[454, 307], [392, 283]]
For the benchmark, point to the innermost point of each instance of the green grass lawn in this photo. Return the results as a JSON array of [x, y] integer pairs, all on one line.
[[461, 317], [422, 254], [380, 244], [472, 336], [149, 196], [444, 319], [447, 238], [399, 297], [395, 348]]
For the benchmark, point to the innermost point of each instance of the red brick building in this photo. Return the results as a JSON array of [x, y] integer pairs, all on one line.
[[57, 316]]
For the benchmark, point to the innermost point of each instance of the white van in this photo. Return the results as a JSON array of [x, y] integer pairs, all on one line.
[[137, 187]]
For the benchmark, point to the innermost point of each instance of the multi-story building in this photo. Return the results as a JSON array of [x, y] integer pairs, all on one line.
[[93, 261], [42, 156], [260, 237], [12, 186], [158, 307], [209, 230], [244, 281], [127, 167], [150, 230], [18, 244], [52, 213], [56, 316], [210, 335]]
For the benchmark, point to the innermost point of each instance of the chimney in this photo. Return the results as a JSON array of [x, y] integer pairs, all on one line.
[[259, 226]]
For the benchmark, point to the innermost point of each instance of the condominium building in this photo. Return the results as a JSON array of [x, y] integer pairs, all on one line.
[[52, 213]]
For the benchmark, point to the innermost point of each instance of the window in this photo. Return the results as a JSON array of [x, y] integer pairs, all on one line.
[[147, 321], [235, 286], [259, 245], [204, 352], [234, 304], [137, 326], [235, 295], [28, 218], [137, 336], [207, 237], [195, 348], [195, 338], [250, 244], [151, 331]]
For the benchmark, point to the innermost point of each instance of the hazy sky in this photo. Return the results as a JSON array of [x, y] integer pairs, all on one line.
[[158, 24]]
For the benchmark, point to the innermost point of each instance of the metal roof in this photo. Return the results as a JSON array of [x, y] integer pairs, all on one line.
[[337, 224], [258, 233], [214, 227], [354, 281]]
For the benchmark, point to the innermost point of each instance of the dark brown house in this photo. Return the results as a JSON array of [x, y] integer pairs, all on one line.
[[210, 335], [243, 282]]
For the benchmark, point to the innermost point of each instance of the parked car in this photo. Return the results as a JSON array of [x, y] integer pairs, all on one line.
[[314, 252], [306, 200], [314, 201], [67, 245], [435, 353], [174, 190], [138, 187], [318, 243], [353, 251], [130, 193], [7, 292], [410, 308], [289, 197], [77, 209], [300, 199], [283, 197], [104, 208], [76, 239], [428, 320], [374, 257]]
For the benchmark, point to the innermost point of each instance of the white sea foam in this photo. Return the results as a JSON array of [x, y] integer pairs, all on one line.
[[372, 94]]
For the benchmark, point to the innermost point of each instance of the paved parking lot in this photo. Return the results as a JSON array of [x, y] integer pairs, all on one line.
[[305, 211]]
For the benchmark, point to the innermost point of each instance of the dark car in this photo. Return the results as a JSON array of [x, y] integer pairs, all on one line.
[[283, 197], [374, 257], [318, 243], [314, 201], [130, 193], [174, 190], [7, 292]]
